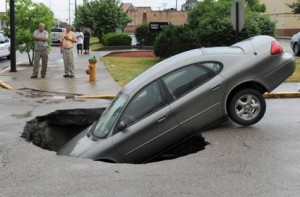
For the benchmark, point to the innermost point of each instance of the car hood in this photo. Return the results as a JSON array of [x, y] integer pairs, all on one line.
[[77, 145]]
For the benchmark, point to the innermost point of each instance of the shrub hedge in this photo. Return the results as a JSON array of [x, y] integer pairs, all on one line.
[[143, 36], [116, 39]]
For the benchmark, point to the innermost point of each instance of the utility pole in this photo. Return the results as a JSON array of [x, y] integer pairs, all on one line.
[[76, 9], [69, 12], [176, 5], [12, 36]]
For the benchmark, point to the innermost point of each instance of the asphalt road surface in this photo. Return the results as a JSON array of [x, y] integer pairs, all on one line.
[[261, 160]]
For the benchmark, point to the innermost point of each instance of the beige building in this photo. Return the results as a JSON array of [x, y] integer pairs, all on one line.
[[140, 15], [287, 23]]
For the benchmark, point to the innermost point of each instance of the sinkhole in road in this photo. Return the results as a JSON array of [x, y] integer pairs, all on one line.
[[53, 130]]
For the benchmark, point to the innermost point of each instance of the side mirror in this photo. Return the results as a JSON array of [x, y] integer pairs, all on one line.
[[122, 125]]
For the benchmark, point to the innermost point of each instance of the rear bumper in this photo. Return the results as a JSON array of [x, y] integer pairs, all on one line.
[[285, 68]]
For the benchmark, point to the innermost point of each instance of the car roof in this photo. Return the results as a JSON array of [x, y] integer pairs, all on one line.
[[193, 56]]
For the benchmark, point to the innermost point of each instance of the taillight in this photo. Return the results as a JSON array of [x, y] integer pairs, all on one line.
[[276, 48]]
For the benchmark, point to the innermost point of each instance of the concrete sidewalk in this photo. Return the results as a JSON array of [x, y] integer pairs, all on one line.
[[54, 81]]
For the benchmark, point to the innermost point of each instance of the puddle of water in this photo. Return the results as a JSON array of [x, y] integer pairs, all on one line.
[[25, 115]]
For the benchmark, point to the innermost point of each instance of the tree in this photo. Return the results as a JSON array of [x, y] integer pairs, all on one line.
[[175, 39], [28, 15], [255, 6], [295, 7], [189, 5], [102, 16], [211, 20]]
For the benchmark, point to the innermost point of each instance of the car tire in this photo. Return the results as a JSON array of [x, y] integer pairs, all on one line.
[[296, 49], [247, 107], [8, 57]]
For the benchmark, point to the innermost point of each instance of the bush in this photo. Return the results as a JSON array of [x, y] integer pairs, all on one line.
[[175, 39], [116, 39], [211, 22], [143, 36]]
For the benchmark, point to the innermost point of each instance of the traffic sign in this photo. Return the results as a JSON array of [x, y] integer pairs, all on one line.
[[238, 15]]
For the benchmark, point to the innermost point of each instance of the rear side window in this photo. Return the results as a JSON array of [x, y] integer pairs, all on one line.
[[186, 79]]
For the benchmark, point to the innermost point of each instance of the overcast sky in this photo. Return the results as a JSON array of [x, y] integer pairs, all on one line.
[[61, 7]]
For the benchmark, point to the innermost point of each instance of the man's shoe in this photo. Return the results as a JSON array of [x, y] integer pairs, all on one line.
[[43, 76], [66, 76], [33, 77], [72, 76]]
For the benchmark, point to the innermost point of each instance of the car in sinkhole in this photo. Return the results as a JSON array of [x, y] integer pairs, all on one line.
[[183, 95]]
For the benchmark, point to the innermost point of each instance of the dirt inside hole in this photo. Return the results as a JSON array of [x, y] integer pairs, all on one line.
[[53, 130]]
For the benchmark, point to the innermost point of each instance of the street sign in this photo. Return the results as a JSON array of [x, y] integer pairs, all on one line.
[[157, 26], [238, 15]]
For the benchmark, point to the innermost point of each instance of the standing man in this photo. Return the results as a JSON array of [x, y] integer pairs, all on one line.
[[40, 51], [67, 41], [79, 36]]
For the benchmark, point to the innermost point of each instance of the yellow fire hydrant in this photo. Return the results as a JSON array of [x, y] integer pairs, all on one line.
[[92, 68]]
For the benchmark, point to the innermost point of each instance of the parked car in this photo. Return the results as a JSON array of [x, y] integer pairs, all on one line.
[[183, 95], [295, 44], [4, 46], [56, 33]]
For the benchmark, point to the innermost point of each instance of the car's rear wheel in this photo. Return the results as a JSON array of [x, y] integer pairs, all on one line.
[[8, 57], [296, 49], [247, 107]]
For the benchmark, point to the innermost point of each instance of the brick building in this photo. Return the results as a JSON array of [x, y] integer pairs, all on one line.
[[287, 22], [140, 15]]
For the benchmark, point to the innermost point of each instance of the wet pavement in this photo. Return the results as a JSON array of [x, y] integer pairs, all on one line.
[[54, 81]]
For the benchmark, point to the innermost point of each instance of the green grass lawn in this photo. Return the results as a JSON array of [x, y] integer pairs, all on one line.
[[296, 75], [95, 44], [123, 69]]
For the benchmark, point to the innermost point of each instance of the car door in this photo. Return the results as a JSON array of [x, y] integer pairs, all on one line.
[[197, 91], [150, 126]]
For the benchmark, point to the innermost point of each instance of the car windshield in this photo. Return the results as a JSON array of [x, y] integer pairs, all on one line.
[[110, 115]]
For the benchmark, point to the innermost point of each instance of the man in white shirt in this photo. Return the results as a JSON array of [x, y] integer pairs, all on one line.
[[79, 36]]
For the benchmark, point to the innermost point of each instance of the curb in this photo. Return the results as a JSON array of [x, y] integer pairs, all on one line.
[[103, 96], [282, 95]]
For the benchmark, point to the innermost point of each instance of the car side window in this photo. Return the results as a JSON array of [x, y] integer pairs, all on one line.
[[185, 79], [213, 66], [145, 102]]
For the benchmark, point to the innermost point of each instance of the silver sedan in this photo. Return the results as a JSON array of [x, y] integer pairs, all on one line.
[[183, 95]]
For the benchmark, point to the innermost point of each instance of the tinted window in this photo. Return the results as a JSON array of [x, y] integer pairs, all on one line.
[[213, 66], [186, 79], [145, 102]]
